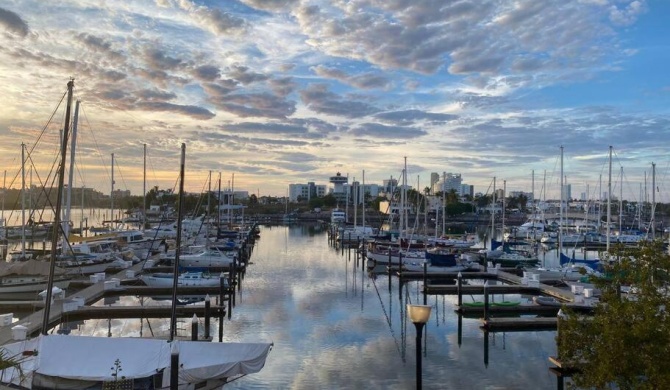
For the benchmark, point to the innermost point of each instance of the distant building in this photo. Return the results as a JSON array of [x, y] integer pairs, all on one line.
[[120, 194], [356, 192], [339, 192], [434, 178], [305, 192]]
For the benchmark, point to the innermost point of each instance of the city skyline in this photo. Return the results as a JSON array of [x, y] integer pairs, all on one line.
[[293, 91]]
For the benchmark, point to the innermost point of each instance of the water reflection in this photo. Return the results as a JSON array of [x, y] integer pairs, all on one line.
[[334, 325]]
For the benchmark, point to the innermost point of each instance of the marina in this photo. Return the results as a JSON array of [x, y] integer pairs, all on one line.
[[296, 287]]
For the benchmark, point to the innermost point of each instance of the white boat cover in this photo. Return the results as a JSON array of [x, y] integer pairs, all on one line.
[[62, 361]]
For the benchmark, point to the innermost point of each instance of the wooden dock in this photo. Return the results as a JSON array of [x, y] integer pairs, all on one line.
[[521, 324]]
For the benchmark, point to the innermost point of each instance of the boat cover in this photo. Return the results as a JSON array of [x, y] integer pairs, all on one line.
[[61, 361]]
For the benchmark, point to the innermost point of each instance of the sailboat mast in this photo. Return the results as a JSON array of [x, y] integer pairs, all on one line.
[[23, 200], [111, 196], [363, 223], [609, 200], [652, 225], [621, 203], [355, 200], [444, 203], [502, 232], [560, 210], [59, 197], [180, 213], [144, 188], [493, 213], [70, 179]]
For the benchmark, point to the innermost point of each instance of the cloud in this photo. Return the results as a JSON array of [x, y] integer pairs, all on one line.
[[191, 111], [271, 5], [99, 45], [244, 75], [363, 81], [215, 20], [319, 99], [13, 23], [625, 16], [262, 105], [282, 86], [386, 132], [207, 72], [160, 60], [411, 116]]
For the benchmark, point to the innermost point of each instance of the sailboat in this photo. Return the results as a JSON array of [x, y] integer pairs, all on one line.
[[76, 362]]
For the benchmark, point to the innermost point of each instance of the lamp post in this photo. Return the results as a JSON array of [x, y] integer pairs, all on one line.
[[419, 315]]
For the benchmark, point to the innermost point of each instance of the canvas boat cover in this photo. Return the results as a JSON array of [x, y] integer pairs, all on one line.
[[61, 361]]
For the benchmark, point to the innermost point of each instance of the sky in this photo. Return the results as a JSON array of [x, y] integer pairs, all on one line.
[[272, 92]]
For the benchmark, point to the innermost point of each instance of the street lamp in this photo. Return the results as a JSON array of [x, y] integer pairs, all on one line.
[[419, 315]]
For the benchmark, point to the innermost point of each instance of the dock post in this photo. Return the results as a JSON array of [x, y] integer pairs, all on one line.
[[194, 328], [486, 348], [400, 275], [425, 278], [460, 329], [486, 300], [486, 262], [208, 314], [459, 288], [388, 268], [174, 366], [221, 326]]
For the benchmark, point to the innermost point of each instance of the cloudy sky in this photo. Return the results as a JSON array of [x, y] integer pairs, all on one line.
[[290, 91]]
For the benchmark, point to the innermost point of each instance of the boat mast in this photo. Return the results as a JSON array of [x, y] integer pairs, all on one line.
[[652, 225], [444, 203], [493, 213], [218, 207], [502, 232], [560, 210], [621, 203], [70, 179], [363, 223], [180, 211], [355, 200], [609, 200], [59, 197], [144, 189], [111, 197], [23, 201], [4, 194]]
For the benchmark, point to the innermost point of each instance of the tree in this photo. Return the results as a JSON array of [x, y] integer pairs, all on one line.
[[623, 344]]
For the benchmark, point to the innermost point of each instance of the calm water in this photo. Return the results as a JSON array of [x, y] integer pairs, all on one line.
[[335, 327]]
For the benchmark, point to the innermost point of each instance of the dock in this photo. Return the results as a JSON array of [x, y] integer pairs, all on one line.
[[520, 324], [93, 292]]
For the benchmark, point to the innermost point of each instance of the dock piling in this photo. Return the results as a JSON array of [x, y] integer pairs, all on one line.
[[208, 313], [194, 328], [486, 300], [459, 286], [174, 366], [425, 278]]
